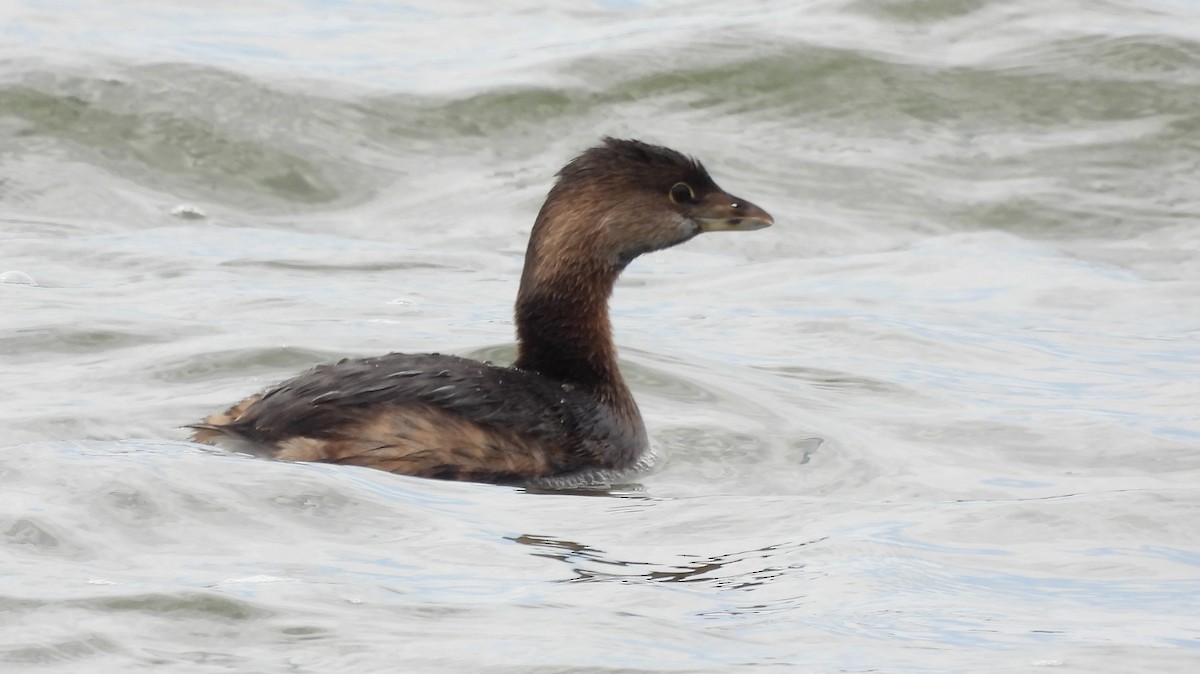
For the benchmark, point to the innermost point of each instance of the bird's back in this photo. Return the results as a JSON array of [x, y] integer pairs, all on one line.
[[429, 415]]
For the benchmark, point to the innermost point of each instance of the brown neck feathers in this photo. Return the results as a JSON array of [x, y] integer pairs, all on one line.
[[562, 321]]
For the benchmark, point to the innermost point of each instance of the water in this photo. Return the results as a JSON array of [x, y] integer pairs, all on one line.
[[941, 418]]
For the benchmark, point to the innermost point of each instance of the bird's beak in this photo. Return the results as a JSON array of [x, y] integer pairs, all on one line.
[[721, 212]]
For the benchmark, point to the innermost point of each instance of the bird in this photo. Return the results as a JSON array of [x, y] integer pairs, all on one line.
[[562, 408]]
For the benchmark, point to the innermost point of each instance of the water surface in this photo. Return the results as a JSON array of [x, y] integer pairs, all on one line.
[[941, 418]]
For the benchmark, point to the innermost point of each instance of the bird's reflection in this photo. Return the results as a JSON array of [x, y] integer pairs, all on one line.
[[734, 570]]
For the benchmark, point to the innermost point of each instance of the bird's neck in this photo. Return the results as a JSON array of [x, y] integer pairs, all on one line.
[[564, 334], [561, 315], [563, 328]]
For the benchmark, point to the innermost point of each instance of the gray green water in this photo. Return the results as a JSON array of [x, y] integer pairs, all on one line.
[[943, 417]]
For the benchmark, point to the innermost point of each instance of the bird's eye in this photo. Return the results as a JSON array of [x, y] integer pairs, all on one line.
[[681, 193]]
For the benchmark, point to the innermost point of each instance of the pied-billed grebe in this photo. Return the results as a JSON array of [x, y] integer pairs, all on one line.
[[562, 407]]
